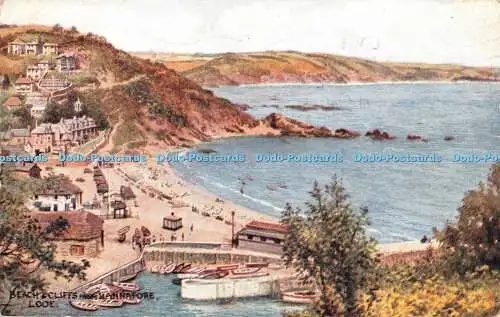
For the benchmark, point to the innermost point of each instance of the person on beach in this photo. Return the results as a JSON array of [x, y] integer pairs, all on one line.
[[172, 237], [154, 238], [191, 228], [161, 237], [182, 236]]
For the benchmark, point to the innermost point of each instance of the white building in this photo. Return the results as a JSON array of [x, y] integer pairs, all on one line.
[[58, 193], [38, 102]]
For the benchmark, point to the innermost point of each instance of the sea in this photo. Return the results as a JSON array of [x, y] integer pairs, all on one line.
[[405, 199]]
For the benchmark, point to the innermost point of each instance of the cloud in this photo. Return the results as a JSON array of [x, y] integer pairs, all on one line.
[[466, 32]]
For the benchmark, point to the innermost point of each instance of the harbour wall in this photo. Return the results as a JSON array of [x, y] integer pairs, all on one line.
[[227, 289], [203, 253]]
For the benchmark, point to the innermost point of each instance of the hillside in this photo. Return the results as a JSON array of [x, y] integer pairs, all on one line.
[[296, 67], [149, 105]]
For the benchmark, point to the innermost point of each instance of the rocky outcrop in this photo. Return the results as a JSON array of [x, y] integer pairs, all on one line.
[[291, 127], [414, 137], [377, 134]]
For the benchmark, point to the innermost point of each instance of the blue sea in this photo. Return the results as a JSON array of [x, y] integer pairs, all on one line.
[[166, 301], [405, 200]]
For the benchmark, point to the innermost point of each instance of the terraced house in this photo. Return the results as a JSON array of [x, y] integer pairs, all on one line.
[[49, 137], [30, 44]]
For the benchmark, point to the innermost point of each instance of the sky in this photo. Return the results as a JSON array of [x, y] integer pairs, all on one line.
[[433, 31]]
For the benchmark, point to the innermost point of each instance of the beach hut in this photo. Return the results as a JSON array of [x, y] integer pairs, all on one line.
[[172, 222]]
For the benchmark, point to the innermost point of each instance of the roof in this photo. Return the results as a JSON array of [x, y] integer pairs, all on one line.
[[267, 226], [12, 101], [23, 80], [67, 54], [83, 225], [20, 132], [262, 233], [172, 217], [58, 185]]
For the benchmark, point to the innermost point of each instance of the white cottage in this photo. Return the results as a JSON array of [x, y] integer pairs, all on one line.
[[58, 193]]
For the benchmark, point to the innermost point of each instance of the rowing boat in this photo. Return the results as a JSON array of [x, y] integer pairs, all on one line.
[[83, 305], [245, 271], [128, 287], [109, 302], [299, 297], [214, 276], [185, 268], [249, 275], [262, 264], [227, 267]]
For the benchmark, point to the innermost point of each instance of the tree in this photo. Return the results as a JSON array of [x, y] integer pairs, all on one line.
[[25, 248], [328, 244], [474, 239], [74, 29], [54, 112], [57, 27]]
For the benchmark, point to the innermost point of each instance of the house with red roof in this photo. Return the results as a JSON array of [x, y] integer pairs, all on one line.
[[23, 85], [262, 236]]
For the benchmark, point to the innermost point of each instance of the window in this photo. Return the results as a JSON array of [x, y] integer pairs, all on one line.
[[250, 237], [277, 241], [77, 249], [263, 239]]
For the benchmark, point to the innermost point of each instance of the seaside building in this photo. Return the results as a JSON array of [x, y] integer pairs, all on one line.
[[23, 85], [18, 137], [172, 222], [38, 70], [38, 103], [57, 193], [262, 237], [66, 62], [83, 237], [49, 137], [12, 103], [30, 44]]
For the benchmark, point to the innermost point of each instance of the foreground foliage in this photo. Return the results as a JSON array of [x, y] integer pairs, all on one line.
[[327, 243], [25, 248]]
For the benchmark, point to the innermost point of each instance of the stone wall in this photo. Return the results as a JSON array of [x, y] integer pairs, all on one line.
[[91, 247], [199, 256], [258, 246]]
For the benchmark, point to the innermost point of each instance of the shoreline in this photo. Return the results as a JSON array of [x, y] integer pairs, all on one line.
[[355, 83]]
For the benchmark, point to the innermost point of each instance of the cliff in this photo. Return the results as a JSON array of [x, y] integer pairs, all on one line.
[[297, 67]]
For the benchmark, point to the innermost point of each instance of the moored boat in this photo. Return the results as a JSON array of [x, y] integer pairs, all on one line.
[[196, 269], [84, 305], [185, 268], [169, 268], [109, 302], [180, 267], [299, 297], [247, 270], [261, 265], [228, 267], [107, 288], [215, 275], [249, 275], [128, 287]]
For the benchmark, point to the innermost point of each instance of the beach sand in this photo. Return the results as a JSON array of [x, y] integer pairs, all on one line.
[[149, 212]]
